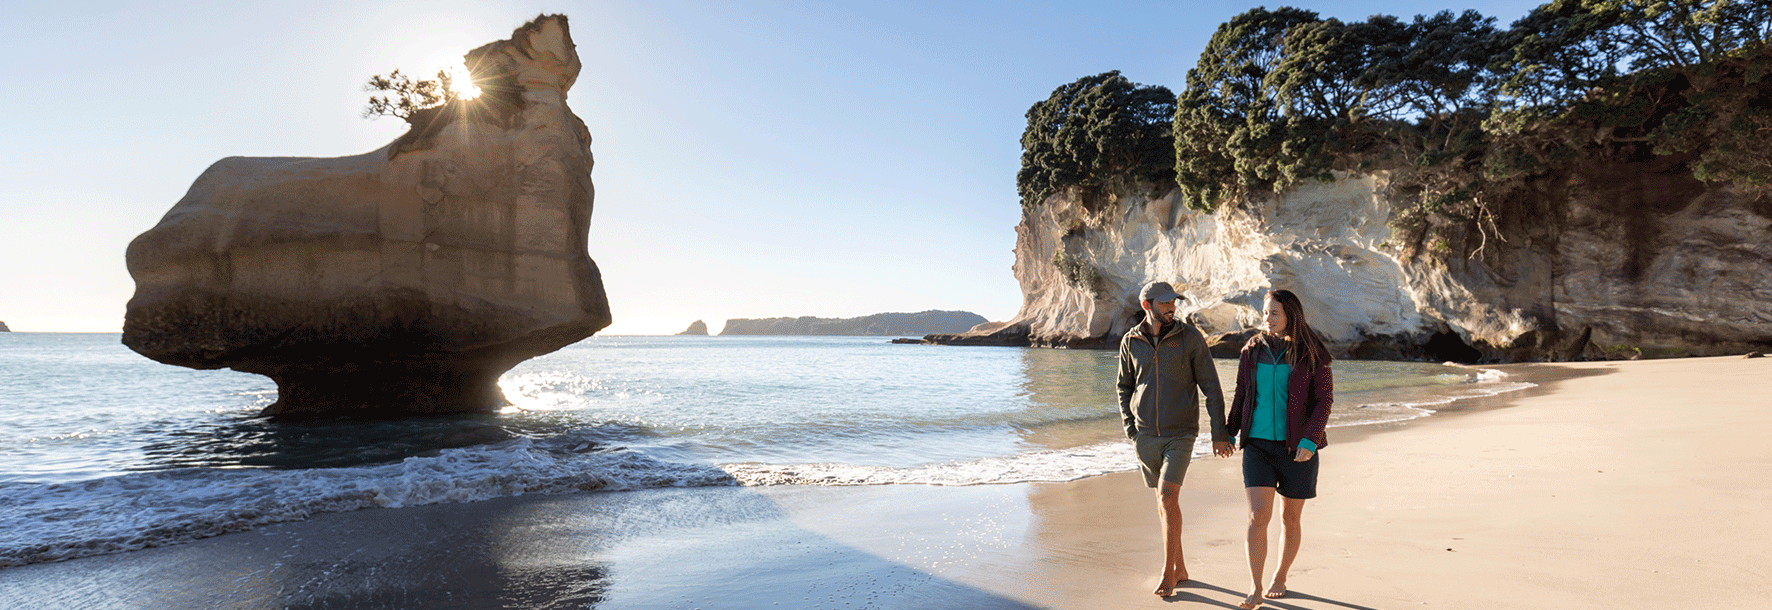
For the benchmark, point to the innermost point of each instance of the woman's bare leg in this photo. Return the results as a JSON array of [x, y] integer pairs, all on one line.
[[1261, 511], [1291, 515]]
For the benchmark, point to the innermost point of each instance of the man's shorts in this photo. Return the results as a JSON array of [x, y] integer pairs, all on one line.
[[1164, 457], [1267, 464]]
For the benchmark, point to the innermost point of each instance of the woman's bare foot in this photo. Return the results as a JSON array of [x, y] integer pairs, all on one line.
[[1277, 591], [1253, 601]]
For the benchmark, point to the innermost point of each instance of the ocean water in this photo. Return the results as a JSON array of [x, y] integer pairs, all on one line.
[[102, 450]]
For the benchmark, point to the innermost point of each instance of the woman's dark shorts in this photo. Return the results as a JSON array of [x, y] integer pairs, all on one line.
[[1267, 464]]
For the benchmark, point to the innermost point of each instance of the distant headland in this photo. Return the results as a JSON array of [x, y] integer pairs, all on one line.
[[3, 328], [877, 325]]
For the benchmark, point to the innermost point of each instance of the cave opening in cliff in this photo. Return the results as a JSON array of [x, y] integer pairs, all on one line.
[[1447, 346]]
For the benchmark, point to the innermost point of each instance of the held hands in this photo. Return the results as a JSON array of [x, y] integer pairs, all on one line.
[[1223, 449], [1302, 455]]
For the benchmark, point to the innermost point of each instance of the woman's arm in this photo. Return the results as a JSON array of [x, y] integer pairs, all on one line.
[[1321, 399]]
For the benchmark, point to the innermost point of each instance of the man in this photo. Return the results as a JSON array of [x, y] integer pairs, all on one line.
[[1164, 365]]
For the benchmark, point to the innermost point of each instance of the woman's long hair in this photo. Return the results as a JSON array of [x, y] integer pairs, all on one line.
[[1310, 352]]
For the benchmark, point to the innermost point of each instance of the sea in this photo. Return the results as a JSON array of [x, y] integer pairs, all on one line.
[[105, 451]]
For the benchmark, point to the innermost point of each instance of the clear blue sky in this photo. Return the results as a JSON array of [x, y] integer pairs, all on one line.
[[754, 159]]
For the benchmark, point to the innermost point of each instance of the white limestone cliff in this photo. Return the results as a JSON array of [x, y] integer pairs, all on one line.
[[404, 280], [1683, 269]]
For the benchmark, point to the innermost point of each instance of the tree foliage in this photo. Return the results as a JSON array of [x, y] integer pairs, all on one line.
[[1460, 113], [1684, 76], [1231, 131], [1280, 97], [398, 95], [1099, 133]]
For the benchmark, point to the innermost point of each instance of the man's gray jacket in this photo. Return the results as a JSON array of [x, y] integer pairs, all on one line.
[[1160, 383]]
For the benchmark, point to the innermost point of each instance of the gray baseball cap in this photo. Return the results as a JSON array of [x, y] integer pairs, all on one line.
[[1158, 291]]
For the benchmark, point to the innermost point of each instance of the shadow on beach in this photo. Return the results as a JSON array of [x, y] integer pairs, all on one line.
[[665, 548], [1183, 595]]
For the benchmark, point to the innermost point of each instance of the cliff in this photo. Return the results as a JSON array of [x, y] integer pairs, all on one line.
[[3, 328], [880, 324], [1623, 260], [400, 281]]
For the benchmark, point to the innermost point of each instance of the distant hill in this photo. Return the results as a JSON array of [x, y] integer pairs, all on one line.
[[3, 328], [697, 327], [877, 325]]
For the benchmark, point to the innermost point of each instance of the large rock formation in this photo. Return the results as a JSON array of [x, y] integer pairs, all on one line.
[[1631, 260], [3, 328], [697, 328], [401, 281], [877, 325]]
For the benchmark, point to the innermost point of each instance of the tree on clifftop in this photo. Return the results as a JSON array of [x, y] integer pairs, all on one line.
[[400, 96], [1280, 97], [1695, 83], [1098, 134], [1229, 125]]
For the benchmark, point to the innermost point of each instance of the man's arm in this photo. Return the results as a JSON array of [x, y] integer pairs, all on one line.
[[1126, 384], [1206, 375]]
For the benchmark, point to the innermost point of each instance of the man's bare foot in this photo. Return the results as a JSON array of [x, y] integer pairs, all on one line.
[[1277, 591], [1166, 586], [1253, 601]]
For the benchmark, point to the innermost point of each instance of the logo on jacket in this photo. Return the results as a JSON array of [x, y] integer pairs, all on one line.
[[1172, 344]]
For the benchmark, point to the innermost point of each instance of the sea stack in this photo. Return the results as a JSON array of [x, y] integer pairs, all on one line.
[[398, 282], [697, 327]]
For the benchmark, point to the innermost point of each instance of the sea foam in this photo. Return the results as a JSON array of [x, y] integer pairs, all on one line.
[[147, 509]]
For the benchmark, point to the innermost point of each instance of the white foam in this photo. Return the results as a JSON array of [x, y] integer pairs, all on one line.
[[1480, 383], [140, 510], [1488, 376], [1051, 465]]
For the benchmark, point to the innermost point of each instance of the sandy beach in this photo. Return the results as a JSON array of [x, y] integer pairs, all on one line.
[[1609, 485]]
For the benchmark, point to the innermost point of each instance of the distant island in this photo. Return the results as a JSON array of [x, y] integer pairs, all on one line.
[[877, 325], [697, 327], [3, 328]]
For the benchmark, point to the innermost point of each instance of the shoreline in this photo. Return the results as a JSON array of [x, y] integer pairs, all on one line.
[[1583, 491]]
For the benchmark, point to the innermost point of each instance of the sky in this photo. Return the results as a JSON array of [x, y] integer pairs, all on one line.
[[754, 159]]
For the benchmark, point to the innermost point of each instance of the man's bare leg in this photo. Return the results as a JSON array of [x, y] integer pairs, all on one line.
[[1261, 511], [1291, 517], [1169, 512]]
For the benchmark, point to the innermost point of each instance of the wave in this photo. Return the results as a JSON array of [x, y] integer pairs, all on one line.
[[141, 510], [55, 522], [1051, 465]]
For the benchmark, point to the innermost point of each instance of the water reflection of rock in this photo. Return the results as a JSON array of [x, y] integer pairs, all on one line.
[[314, 443]]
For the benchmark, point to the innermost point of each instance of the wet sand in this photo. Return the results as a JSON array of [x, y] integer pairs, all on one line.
[[1615, 485]]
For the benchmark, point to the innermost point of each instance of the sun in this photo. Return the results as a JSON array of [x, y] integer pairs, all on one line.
[[462, 82]]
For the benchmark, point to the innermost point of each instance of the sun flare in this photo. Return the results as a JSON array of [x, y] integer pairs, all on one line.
[[462, 82]]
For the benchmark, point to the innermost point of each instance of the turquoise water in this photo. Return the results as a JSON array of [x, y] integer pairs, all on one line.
[[102, 450]]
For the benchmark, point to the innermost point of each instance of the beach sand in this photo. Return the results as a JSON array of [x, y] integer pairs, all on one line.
[[1610, 485]]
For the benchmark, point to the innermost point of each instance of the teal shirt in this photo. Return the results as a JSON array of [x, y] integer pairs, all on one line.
[[1269, 420]]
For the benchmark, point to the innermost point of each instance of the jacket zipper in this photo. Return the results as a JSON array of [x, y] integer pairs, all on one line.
[[1157, 382]]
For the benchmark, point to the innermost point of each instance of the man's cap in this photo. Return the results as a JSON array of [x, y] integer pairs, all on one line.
[[1158, 291]]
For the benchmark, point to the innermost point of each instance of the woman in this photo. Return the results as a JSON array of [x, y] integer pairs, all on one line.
[[1279, 410]]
